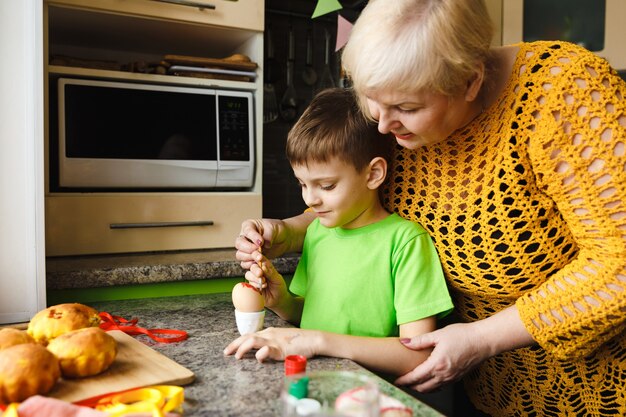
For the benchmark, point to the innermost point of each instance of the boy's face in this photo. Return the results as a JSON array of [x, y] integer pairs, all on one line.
[[337, 193]]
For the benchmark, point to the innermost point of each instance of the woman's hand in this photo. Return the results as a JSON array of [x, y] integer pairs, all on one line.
[[456, 350], [274, 343], [260, 235], [271, 237], [459, 347]]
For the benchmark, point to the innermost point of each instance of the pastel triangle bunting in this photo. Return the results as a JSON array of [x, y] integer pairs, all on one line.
[[344, 27], [326, 6]]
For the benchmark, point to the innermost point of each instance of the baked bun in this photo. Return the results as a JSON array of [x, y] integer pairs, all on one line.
[[11, 337], [25, 370], [84, 352], [62, 318]]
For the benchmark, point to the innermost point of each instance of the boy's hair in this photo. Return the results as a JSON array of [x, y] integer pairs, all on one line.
[[410, 45], [333, 126]]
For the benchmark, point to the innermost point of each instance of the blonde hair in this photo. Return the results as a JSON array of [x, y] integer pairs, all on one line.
[[333, 126], [410, 45]]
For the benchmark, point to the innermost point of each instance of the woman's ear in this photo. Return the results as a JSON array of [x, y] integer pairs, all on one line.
[[474, 85], [377, 172]]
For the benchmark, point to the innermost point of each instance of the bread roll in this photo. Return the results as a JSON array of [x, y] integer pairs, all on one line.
[[62, 318], [11, 337], [26, 369], [84, 352]]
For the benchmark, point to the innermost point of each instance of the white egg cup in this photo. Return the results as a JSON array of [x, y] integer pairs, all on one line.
[[249, 322]]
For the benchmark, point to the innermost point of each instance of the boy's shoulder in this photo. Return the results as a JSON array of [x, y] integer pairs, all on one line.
[[401, 224], [393, 224]]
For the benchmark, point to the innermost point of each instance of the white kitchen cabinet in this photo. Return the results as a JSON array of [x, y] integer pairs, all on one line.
[[22, 259], [79, 223]]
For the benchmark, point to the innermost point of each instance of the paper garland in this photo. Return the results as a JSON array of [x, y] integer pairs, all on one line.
[[326, 6], [343, 32], [343, 25]]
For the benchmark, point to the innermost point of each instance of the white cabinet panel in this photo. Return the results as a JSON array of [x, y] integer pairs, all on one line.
[[22, 276]]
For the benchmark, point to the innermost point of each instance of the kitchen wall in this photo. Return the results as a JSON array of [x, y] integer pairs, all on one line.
[[281, 192]]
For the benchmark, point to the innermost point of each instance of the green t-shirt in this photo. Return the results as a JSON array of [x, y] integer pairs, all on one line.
[[369, 280]]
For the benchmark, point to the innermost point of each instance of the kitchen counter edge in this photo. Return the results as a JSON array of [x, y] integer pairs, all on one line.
[[77, 272]]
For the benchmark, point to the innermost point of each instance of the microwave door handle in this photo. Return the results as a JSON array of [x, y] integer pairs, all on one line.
[[160, 224], [200, 6]]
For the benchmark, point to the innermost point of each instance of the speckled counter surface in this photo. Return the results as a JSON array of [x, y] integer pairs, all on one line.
[[149, 268], [224, 386]]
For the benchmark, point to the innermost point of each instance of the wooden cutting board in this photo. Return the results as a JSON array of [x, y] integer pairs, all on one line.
[[136, 365]]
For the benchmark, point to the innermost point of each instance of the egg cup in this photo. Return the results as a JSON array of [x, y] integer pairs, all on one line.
[[249, 322]]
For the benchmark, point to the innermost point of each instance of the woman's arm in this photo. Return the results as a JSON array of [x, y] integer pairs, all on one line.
[[384, 354], [459, 347], [578, 155], [296, 230]]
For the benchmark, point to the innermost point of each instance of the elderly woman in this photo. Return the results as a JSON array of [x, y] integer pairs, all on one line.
[[514, 160]]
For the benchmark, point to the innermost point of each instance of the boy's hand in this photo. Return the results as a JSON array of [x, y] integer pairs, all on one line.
[[274, 343], [264, 276]]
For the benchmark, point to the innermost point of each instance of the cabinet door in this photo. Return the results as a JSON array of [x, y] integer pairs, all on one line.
[[22, 282], [118, 223], [241, 14]]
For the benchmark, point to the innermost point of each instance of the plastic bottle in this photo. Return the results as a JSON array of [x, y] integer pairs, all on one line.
[[295, 365]]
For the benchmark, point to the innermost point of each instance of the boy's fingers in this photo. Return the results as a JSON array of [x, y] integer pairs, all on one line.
[[255, 277], [248, 344], [232, 347], [269, 352], [246, 264], [263, 354], [268, 268]]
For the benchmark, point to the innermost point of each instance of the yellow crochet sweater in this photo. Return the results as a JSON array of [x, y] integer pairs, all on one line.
[[527, 205]]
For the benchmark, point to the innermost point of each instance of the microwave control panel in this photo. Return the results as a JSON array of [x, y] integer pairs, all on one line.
[[235, 124]]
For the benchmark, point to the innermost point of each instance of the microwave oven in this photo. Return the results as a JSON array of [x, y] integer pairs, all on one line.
[[597, 25], [128, 136]]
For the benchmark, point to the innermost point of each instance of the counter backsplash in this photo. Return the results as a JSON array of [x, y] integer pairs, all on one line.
[[149, 268]]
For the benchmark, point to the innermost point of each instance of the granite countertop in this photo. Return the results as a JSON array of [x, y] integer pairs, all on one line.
[[148, 268], [225, 386]]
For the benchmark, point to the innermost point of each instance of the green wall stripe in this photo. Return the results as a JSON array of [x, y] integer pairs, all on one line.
[[126, 292]]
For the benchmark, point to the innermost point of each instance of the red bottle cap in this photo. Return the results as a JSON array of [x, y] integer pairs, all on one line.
[[295, 364]]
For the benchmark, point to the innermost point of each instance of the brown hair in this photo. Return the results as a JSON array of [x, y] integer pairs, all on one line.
[[334, 126]]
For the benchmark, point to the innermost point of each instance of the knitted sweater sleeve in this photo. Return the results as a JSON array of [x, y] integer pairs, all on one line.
[[577, 145]]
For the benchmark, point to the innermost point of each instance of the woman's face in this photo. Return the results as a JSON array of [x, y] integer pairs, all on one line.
[[419, 119]]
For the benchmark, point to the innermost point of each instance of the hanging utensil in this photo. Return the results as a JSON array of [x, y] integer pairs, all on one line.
[[270, 103], [272, 70], [326, 80], [288, 104], [309, 76]]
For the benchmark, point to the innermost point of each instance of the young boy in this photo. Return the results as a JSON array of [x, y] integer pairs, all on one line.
[[365, 276]]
